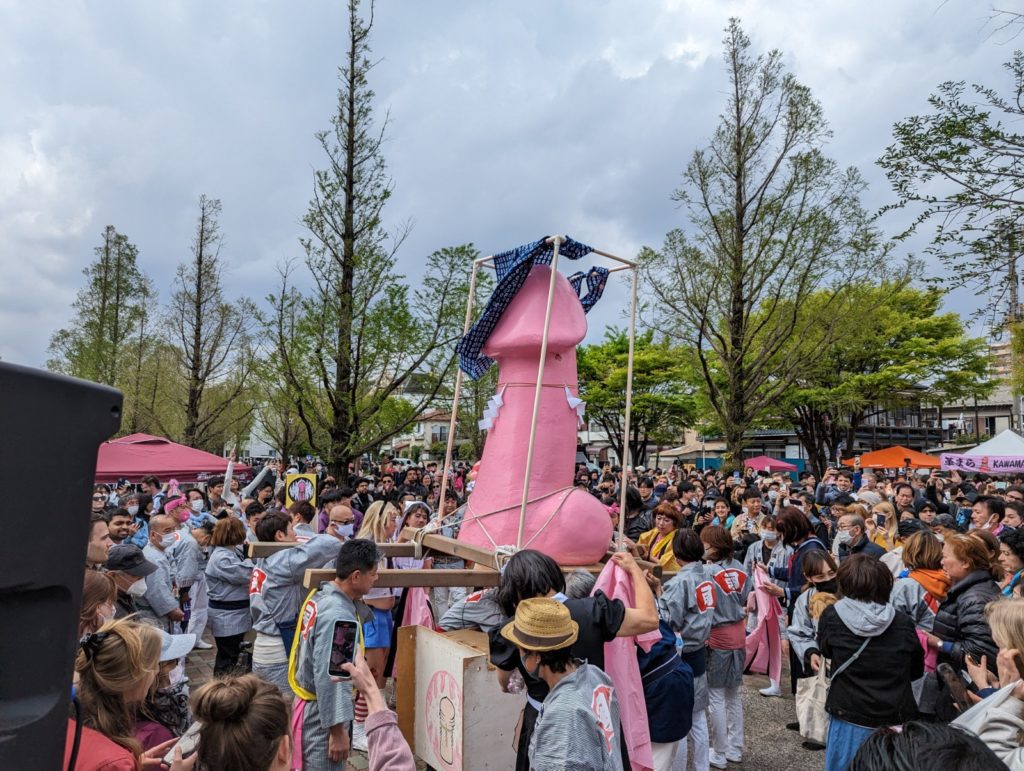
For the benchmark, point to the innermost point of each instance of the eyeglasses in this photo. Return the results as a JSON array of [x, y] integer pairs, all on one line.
[[99, 497]]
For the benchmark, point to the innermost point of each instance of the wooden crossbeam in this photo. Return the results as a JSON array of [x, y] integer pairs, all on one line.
[[483, 557], [391, 578], [266, 548]]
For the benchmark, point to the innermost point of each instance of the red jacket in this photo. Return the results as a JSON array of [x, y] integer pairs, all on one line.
[[97, 753]]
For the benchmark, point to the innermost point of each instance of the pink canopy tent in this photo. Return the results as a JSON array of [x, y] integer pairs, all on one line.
[[764, 463], [137, 455]]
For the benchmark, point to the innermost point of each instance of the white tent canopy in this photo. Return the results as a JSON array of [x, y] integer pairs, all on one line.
[[1004, 443]]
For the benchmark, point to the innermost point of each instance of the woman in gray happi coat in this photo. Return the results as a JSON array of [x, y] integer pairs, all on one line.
[[228, 575]]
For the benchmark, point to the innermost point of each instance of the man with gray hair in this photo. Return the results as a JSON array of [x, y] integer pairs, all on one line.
[[851, 538]]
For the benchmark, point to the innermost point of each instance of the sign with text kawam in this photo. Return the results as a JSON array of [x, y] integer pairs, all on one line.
[[989, 464]]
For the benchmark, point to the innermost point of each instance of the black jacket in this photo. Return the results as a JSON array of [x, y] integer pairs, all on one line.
[[961, 620], [875, 689], [863, 546], [638, 525], [124, 606]]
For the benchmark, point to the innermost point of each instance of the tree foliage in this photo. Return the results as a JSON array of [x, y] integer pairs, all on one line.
[[961, 169], [210, 334], [663, 401], [109, 311], [360, 331], [773, 222], [904, 351]]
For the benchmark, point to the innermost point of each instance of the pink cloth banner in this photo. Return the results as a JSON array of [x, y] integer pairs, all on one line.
[[989, 464]]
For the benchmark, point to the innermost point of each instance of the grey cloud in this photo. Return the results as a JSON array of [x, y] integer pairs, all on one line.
[[508, 121]]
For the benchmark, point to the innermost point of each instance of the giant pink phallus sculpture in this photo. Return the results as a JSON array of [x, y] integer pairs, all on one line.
[[567, 523]]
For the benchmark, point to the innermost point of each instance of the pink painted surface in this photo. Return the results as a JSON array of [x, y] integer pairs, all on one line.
[[579, 532], [443, 705]]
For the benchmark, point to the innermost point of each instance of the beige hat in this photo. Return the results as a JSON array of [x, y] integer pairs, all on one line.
[[541, 624]]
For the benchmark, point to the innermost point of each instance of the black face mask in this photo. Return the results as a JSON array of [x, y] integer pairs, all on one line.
[[826, 586]]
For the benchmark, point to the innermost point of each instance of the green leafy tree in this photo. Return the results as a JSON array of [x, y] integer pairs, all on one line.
[[663, 402], [773, 222], [906, 351], [109, 311], [361, 333], [959, 168]]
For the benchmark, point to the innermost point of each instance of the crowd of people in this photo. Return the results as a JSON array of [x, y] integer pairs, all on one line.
[[893, 598]]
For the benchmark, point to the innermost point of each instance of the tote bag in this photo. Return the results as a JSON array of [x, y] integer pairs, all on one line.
[[810, 706]]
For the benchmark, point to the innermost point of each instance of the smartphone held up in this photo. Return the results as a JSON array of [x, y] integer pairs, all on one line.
[[343, 646]]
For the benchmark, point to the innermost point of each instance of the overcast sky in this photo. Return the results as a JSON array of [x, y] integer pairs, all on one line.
[[508, 121]]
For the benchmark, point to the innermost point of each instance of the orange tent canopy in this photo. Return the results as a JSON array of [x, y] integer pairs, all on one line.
[[895, 457]]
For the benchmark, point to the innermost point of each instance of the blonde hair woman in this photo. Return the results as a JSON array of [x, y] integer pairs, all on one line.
[[883, 532], [998, 727], [116, 666], [379, 524]]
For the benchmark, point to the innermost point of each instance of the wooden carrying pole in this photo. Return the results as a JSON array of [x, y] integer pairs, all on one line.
[[391, 578], [538, 390], [256, 549], [629, 412], [457, 394]]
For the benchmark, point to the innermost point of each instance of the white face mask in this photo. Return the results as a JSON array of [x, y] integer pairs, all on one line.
[[197, 505], [103, 617], [168, 540], [138, 588], [843, 536], [133, 510], [345, 531], [770, 535]]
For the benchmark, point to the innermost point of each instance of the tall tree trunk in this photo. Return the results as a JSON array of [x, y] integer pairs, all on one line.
[[345, 393], [115, 326], [195, 365], [134, 420], [101, 326]]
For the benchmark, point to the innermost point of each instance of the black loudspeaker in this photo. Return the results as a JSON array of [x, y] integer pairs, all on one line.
[[50, 429]]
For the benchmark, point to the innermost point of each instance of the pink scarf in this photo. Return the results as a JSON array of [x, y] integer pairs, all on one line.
[[417, 609], [764, 644], [298, 713], [621, 666]]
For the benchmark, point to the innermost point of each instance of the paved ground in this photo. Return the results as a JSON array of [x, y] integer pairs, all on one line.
[[769, 746]]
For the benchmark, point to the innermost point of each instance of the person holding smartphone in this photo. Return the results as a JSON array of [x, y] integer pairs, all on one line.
[[324, 706]]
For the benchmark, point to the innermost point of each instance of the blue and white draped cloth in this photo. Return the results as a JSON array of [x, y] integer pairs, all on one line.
[[512, 268]]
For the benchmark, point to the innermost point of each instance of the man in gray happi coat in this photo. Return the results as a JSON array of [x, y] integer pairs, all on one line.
[[328, 716]]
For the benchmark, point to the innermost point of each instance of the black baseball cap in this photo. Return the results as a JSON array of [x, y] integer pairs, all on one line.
[[128, 558]]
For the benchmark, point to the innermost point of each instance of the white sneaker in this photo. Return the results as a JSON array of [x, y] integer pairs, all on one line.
[[716, 760], [202, 645], [359, 736], [734, 758], [771, 690]]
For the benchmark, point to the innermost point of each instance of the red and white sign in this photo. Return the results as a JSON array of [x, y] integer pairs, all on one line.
[[705, 597], [257, 581], [601, 706]]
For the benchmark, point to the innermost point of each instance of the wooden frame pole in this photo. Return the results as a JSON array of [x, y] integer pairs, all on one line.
[[557, 240], [457, 394], [629, 411]]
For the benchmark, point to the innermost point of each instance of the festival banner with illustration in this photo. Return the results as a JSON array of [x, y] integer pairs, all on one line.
[[989, 464]]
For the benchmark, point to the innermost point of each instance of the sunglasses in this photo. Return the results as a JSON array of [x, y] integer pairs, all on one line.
[[99, 497]]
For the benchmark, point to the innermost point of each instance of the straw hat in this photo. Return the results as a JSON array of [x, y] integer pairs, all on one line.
[[541, 624]]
